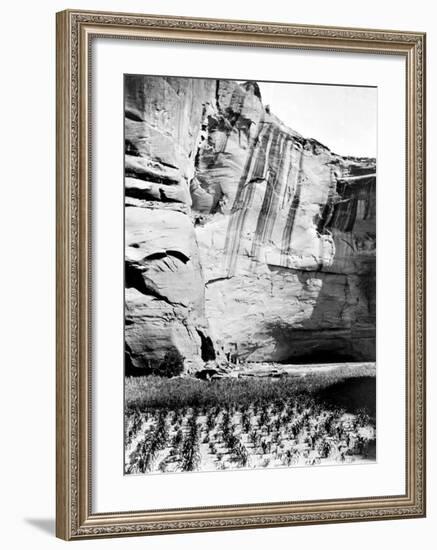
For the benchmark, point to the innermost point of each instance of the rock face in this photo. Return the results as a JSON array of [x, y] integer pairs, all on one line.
[[244, 240]]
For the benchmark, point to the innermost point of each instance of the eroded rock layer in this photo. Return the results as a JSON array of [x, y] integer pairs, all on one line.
[[244, 240]]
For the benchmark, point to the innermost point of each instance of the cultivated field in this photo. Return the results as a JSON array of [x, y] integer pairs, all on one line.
[[318, 416]]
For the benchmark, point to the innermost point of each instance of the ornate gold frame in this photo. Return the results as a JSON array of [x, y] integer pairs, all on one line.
[[75, 30]]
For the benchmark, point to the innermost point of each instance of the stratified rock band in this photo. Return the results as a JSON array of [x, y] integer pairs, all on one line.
[[250, 284]]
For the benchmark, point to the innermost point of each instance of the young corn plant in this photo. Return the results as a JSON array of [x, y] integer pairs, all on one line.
[[190, 449]]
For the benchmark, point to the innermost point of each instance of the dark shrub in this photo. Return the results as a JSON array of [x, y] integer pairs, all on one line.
[[171, 365]]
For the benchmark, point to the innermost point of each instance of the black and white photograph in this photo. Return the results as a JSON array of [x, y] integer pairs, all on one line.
[[250, 274]]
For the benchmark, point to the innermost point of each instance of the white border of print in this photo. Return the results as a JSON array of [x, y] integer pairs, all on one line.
[[111, 490]]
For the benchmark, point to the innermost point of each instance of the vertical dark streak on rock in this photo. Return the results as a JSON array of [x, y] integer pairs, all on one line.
[[278, 191], [217, 100], [288, 229], [244, 198], [288, 186], [351, 214], [370, 204], [346, 209], [328, 209], [267, 215], [271, 178]]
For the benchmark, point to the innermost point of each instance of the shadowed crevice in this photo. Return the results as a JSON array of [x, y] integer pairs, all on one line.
[[135, 277], [207, 347]]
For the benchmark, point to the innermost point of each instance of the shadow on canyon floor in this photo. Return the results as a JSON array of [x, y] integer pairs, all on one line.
[[353, 394], [332, 334]]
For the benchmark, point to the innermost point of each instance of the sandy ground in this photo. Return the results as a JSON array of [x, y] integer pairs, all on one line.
[[274, 369]]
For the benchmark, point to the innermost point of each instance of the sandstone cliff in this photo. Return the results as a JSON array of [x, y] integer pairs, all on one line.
[[243, 238]]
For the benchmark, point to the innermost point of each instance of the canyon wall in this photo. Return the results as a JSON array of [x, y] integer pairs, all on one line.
[[244, 240]]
